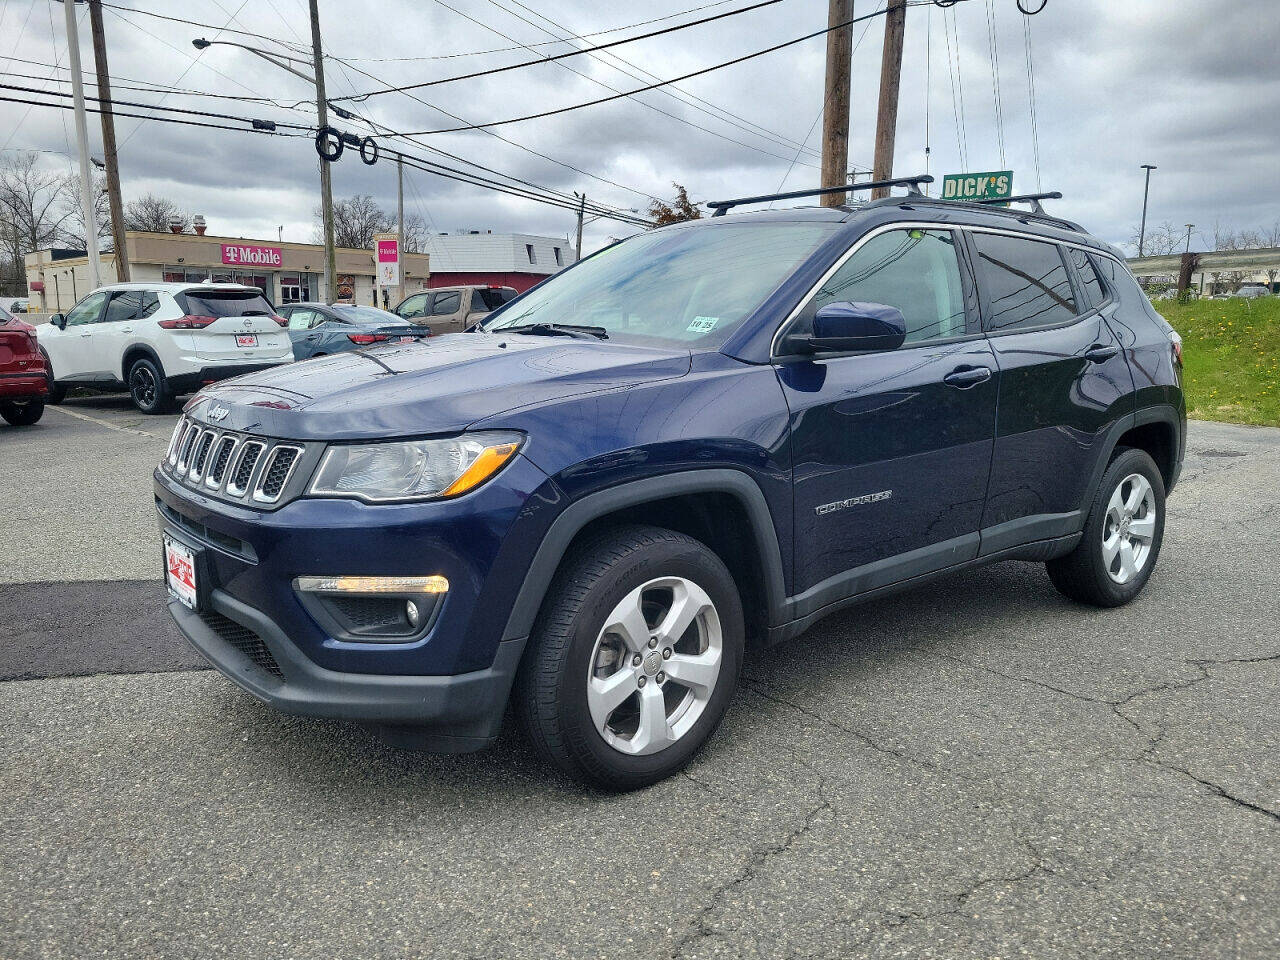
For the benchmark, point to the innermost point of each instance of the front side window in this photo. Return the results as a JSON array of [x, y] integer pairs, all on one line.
[[415, 306], [87, 310], [683, 284], [300, 319], [1024, 283], [915, 270]]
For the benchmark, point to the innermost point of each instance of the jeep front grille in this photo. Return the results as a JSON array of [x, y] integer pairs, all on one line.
[[233, 465]]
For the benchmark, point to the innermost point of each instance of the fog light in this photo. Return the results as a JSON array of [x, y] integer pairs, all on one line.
[[367, 585], [411, 612]]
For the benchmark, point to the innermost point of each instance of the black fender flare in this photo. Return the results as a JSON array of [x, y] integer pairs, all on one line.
[[595, 505], [132, 353], [1156, 413]]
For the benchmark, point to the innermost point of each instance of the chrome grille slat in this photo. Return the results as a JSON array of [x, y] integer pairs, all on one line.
[[233, 465]]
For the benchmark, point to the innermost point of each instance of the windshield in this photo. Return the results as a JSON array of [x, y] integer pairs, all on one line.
[[684, 285], [365, 314]]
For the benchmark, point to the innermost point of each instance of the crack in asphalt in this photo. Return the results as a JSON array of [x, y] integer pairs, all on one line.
[[700, 927], [1220, 791]]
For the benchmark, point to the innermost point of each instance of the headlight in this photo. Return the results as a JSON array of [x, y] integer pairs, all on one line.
[[413, 469]]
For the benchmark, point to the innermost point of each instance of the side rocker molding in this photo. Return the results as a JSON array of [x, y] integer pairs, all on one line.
[[581, 512]]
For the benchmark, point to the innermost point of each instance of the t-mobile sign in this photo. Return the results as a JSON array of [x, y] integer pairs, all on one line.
[[251, 256], [388, 253]]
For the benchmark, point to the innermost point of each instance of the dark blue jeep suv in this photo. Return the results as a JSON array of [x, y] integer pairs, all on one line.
[[712, 433]]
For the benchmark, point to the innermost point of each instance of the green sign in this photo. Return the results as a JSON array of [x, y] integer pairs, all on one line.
[[995, 185]]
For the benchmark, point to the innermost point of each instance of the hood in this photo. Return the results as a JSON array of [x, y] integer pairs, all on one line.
[[441, 385]]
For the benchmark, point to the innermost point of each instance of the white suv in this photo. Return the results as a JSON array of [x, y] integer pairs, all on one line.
[[161, 339]]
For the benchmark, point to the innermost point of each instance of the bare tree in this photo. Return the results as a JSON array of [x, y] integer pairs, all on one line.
[[153, 213], [1271, 238], [1160, 241], [355, 221], [33, 208], [73, 228], [415, 233]]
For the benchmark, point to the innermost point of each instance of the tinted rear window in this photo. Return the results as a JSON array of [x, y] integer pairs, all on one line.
[[494, 298], [1025, 282], [225, 303]]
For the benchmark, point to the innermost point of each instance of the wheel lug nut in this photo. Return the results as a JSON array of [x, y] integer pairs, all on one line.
[[666, 654], [641, 682], [660, 677], [653, 642], [637, 660]]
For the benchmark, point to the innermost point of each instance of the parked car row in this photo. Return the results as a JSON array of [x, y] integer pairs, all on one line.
[[161, 340]]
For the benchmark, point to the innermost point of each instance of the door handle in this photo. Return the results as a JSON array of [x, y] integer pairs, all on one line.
[[965, 377], [1101, 352], [126, 329]]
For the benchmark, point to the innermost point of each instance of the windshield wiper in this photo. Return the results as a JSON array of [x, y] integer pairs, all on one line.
[[556, 330]]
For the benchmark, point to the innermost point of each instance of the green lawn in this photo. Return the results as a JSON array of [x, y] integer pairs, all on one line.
[[1231, 358]]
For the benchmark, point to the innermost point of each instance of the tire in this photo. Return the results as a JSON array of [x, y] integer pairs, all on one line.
[[57, 391], [1121, 542], [645, 570], [22, 414], [147, 387]]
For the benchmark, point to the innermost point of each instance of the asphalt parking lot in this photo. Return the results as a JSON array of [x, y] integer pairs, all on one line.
[[976, 769]]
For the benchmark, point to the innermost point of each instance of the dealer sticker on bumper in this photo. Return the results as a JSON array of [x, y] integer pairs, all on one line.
[[180, 572]]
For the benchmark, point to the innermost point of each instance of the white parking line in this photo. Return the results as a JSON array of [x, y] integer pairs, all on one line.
[[108, 424]]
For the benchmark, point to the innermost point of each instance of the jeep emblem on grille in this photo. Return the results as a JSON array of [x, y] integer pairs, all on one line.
[[217, 413]]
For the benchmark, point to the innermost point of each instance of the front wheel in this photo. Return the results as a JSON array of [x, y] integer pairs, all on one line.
[[22, 414], [147, 387], [634, 659], [1122, 535]]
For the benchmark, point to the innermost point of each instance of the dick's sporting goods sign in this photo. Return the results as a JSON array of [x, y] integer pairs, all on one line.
[[978, 186]]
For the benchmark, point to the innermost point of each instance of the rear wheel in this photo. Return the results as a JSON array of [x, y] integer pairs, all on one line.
[[634, 659], [22, 414], [147, 387], [1122, 535]]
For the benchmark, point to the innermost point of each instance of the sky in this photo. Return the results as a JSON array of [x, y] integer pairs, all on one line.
[[1193, 87]]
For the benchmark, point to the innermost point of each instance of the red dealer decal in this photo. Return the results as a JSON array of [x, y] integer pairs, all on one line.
[[251, 256]]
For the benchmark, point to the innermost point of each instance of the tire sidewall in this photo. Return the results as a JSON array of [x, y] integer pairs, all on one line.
[[57, 391], [1129, 462], [686, 559], [161, 403], [22, 414]]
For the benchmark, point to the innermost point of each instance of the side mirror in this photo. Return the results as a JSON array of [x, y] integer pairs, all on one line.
[[59, 321], [849, 326]]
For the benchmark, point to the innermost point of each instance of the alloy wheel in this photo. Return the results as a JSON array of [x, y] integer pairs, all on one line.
[[142, 384], [654, 665], [1129, 528]]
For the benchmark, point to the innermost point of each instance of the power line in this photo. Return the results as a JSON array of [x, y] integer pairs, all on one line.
[[554, 58], [158, 106], [142, 116], [993, 51], [1031, 96], [701, 104], [653, 86]]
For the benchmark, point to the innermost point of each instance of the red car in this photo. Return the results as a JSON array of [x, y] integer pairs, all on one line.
[[24, 381]]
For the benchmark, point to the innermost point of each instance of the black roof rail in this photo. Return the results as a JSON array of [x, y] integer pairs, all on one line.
[[721, 207], [1033, 199]]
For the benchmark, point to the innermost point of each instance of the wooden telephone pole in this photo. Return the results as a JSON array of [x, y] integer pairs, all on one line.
[[835, 110], [895, 24], [109, 141]]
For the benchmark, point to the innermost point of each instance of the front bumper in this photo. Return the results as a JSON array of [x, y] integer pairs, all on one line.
[[457, 713]]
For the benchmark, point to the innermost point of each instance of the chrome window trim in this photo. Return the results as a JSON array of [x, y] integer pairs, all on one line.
[[926, 225], [231, 489], [265, 468]]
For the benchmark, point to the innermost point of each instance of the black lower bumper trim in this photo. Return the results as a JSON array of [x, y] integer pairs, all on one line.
[[464, 709], [185, 382]]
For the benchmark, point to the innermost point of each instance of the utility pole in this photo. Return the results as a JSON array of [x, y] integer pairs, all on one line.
[[400, 221], [1142, 231], [895, 26], [1189, 226], [582, 207], [82, 140], [835, 109], [326, 181], [109, 140]]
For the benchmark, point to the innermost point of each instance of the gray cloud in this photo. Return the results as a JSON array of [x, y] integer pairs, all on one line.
[[1192, 87]]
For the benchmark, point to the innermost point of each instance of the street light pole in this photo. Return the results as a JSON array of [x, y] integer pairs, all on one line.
[[1142, 231], [582, 206], [326, 182], [82, 141], [1189, 226]]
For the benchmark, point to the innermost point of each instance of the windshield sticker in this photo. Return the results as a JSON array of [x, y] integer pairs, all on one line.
[[703, 324]]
